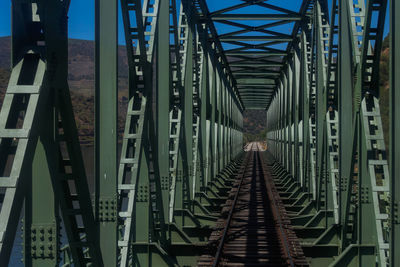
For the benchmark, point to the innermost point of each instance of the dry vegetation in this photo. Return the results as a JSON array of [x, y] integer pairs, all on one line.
[[81, 81]]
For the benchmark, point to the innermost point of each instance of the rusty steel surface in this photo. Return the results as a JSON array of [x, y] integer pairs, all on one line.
[[254, 229]]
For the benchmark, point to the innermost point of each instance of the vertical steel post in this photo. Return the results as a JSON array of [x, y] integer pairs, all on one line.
[[289, 115], [38, 221], [295, 107], [345, 109], [106, 133], [218, 119], [204, 92], [321, 102], [188, 110], [305, 92], [213, 141], [162, 101], [223, 117], [394, 147]]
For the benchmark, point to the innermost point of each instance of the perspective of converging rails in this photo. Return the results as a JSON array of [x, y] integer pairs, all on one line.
[[152, 133]]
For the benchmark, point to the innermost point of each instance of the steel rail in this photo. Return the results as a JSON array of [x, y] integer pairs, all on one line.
[[222, 241], [276, 214]]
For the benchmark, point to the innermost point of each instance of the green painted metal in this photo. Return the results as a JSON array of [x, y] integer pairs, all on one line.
[[394, 132], [345, 107], [329, 158], [187, 77], [319, 83], [106, 132], [47, 145], [163, 106]]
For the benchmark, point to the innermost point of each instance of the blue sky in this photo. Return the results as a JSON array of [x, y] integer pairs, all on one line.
[[81, 16]]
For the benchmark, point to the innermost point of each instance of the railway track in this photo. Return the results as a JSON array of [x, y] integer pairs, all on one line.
[[253, 229]]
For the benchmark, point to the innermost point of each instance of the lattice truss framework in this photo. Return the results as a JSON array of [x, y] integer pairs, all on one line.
[[192, 73]]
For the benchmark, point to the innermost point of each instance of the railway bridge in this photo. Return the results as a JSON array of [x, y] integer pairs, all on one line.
[[177, 186]]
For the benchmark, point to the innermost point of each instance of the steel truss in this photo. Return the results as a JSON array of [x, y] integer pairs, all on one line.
[[183, 132], [156, 204], [341, 196]]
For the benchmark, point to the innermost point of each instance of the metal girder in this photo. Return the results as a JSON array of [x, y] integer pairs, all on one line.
[[201, 10], [254, 58], [132, 223], [257, 99], [138, 176], [217, 17], [46, 166], [256, 65], [345, 173], [255, 53], [256, 94], [256, 38], [321, 91], [259, 89], [394, 256], [106, 132]]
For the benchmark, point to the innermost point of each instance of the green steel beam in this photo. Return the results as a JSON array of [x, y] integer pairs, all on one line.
[[106, 133], [203, 102], [257, 102], [256, 53], [255, 94], [394, 133], [163, 85], [218, 120], [213, 107], [260, 97], [202, 8], [257, 74], [256, 81], [231, 8], [247, 29], [45, 165], [345, 111], [277, 8], [188, 109], [255, 38], [250, 60], [256, 65], [46, 148], [321, 104], [218, 17], [263, 90], [305, 91]]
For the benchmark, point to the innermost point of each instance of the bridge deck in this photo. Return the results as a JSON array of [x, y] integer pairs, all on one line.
[[253, 229]]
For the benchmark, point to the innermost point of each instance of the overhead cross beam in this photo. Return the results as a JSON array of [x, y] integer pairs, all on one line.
[[262, 50]]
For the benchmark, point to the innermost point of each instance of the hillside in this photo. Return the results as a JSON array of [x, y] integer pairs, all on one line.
[[384, 90], [81, 82], [254, 123]]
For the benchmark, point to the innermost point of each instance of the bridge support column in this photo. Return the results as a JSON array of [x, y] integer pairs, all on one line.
[[162, 122], [345, 110], [394, 134], [106, 132]]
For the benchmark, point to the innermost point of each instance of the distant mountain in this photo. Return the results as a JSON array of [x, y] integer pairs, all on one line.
[[384, 89], [254, 121], [80, 80]]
